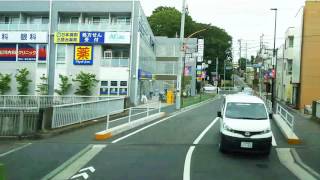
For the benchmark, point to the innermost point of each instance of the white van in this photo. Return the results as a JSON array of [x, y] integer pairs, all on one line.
[[244, 124]]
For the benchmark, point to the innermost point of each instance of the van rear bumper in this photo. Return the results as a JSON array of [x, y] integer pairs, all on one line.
[[234, 143]]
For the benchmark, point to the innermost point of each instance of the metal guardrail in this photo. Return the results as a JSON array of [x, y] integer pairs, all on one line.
[[134, 113], [64, 115], [317, 109], [115, 62], [288, 117], [33, 101], [15, 122]]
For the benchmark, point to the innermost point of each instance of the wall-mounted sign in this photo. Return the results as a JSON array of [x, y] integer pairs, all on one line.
[[23, 37], [117, 38], [27, 52], [92, 37], [83, 55], [144, 74], [42, 52], [201, 47], [8, 52], [66, 37]]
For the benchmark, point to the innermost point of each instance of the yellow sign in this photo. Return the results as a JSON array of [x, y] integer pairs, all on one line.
[[66, 37], [83, 55]]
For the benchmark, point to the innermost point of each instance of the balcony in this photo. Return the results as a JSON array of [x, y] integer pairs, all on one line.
[[95, 27], [24, 27], [115, 62]]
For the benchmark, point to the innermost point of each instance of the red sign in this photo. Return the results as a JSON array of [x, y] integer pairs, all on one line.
[[42, 53], [26, 53], [8, 52]]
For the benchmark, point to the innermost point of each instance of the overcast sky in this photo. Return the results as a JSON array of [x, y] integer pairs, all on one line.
[[242, 19]]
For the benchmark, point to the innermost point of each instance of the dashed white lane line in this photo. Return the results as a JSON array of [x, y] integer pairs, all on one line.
[[187, 162], [155, 123], [15, 149]]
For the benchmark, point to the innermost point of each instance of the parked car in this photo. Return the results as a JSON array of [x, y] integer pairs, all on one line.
[[208, 88], [244, 124]]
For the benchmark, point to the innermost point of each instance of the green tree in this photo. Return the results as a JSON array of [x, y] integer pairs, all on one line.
[[23, 81], [64, 85], [43, 86], [5, 80], [165, 21], [86, 81], [242, 63]]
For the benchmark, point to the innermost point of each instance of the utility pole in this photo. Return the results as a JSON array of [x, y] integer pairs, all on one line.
[[240, 48], [274, 57], [180, 70]]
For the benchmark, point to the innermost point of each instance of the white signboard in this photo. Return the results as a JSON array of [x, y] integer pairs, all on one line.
[[200, 47], [117, 38], [23, 37]]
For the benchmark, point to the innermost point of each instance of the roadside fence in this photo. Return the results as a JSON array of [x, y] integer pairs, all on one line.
[[288, 117]]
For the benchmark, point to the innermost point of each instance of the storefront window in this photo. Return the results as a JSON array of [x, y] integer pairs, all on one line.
[[61, 53], [113, 91], [114, 83], [123, 83]]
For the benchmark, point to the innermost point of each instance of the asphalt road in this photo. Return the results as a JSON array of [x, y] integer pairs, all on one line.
[[157, 152]]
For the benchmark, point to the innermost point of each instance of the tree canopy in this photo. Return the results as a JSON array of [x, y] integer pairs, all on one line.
[[165, 21]]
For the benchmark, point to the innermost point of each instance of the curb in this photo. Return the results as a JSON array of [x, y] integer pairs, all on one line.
[[287, 132], [107, 134]]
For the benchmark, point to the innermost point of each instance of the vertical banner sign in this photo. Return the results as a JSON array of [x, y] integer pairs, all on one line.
[[27, 52], [42, 52], [8, 52], [83, 55]]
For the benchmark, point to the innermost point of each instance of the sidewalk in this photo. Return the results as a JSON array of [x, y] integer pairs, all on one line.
[[308, 130]]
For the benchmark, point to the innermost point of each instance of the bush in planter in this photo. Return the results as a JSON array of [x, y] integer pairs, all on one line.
[[5, 80], [64, 85], [86, 81], [23, 81]]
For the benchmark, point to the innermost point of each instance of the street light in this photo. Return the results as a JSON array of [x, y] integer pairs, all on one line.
[[274, 55]]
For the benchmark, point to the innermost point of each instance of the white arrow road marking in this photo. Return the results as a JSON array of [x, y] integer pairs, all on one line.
[[187, 162], [76, 163], [84, 175], [91, 169]]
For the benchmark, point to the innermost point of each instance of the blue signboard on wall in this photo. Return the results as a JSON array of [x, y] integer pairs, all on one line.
[[92, 37], [144, 74]]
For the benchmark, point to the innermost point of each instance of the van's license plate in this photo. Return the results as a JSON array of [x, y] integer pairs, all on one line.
[[246, 145]]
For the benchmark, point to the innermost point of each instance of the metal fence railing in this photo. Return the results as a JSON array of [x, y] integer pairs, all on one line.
[[115, 62], [133, 114], [64, 115], [34, 101], [288, 117], [15, 122]]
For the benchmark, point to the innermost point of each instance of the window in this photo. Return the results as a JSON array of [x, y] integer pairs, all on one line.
[[289, 68], [45, 20], [104, 83], [61, 53], [103, 91], [114, 91], [291, 39], [114, 83], [123, 91], [96, 20], [254, 111], [74, 20], [123, 83]]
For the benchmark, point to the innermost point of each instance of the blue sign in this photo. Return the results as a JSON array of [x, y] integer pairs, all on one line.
[[144, 74], [92, 37]]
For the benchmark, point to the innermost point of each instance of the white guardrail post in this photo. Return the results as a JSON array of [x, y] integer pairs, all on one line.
[[108, 119], [130, 114]]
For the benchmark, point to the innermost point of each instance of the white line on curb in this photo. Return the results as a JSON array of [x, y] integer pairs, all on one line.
[[187, 162], [155, 123], [15, 149], [274, 143], [288, 161]]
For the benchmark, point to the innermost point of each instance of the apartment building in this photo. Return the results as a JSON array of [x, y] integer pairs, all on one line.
[[52, 38]]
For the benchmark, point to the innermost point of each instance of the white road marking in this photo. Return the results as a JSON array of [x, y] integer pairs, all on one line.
[[83, 173], [15, 149], [187, 162], [91, 169], [155, 123], [74, 164], [274, 143], [288, 161], [301, 163]]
